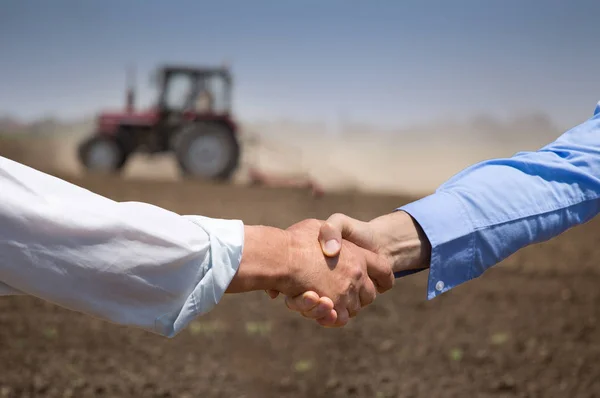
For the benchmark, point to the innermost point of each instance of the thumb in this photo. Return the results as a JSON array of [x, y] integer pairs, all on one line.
[[340, 226], [330, 237]]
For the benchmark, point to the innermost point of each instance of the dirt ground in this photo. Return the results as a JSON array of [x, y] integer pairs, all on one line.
[[528, 328]]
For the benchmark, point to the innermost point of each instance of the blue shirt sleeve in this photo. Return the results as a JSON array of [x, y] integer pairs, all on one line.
[[492, 209]]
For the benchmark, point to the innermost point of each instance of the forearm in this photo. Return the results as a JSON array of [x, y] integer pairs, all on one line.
[[129, 263], [264, 260], [402, 240], [493, 209]]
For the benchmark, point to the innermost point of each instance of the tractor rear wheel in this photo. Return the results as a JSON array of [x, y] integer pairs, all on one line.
[[209, 151], [100, 154]]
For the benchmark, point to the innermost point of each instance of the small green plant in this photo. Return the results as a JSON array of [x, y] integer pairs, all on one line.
[[50, 333], [303, 365], [456, 354], [499, 338], [258, 328], [206, 327]]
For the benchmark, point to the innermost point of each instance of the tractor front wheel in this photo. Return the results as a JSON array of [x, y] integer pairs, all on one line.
[[100, 154], [208, 151]]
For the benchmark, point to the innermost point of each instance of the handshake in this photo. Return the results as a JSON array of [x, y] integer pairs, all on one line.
[[330, 270]]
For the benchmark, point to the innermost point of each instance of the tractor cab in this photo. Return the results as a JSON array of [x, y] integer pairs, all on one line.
[[194, 91]]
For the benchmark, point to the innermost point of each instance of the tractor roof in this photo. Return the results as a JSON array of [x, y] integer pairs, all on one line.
[[223, 71]]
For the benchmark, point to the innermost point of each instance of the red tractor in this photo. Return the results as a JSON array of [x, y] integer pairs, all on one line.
[[191, 118]]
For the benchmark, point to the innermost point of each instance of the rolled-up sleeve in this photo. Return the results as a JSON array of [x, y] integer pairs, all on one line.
[[492, 209], [129, 263]]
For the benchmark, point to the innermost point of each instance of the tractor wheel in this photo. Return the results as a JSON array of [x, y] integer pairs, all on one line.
[[102, 155], [209, 151]]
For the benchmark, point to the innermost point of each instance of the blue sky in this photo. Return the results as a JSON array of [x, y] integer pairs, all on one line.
[[380, 61]]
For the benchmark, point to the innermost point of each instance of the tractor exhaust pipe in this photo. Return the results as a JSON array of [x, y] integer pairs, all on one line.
[[130, 96]]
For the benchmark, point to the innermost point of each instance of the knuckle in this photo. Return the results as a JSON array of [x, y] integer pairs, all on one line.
[[317, 312], [337, 217], [288, 304], [392, 279], [343, 223], [388, 282], [344, 288], [312, 221], [373, 297], [385, 279], [358, 273], [338, 301], [351, 293], [344, 298]]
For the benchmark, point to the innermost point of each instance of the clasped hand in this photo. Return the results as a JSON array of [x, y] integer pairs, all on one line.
[[356, 261]]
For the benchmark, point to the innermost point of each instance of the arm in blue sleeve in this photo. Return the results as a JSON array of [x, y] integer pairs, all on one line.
[[494, 208]]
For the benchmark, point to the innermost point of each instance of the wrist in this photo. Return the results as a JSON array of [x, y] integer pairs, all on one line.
[[422, 257], [264, 260], [403, 241]]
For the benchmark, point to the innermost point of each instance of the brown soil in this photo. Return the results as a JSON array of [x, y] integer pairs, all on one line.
[[528, 328]]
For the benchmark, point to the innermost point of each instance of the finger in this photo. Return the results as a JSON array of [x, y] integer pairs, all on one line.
[[367, 293], [380, 272], [272, 293], [353, 303], [353, 311], [340, 226], [329, 320], [321, 310], [342, 317], [330, 238], [303, 302]]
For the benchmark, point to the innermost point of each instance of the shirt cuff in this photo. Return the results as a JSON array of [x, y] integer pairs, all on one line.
[[449, 230], [226, 247]]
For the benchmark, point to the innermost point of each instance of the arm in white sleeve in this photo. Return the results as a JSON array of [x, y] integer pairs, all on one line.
[[125, 262]]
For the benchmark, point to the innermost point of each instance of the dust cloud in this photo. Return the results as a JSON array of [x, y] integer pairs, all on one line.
[[413, 160]]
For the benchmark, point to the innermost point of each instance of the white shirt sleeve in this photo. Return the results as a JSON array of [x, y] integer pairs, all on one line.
[[129, 263]]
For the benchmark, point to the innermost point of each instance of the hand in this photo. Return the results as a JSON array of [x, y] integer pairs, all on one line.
[[354, 276], [396, 237], [373, 274], [292, 262]]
